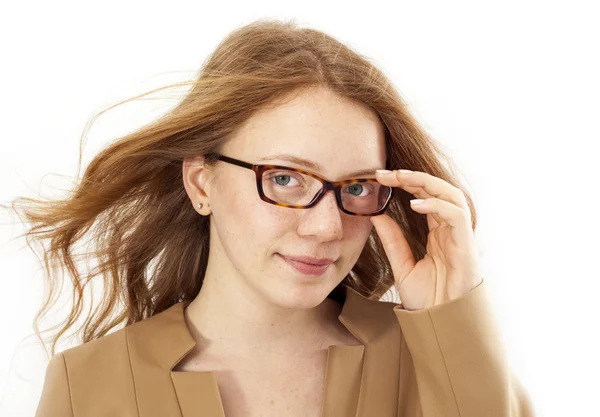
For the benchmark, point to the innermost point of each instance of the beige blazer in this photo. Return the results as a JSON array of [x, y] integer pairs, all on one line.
[[445, 361]]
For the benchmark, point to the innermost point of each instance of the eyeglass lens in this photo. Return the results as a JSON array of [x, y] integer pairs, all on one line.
[[295, 188]]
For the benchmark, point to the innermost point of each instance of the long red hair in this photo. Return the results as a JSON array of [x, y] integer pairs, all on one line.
[[149, 245]]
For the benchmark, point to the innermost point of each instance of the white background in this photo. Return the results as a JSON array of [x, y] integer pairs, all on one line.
[[509, 88]]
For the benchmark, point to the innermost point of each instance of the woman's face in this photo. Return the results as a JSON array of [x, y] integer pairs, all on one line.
[[247, 234]]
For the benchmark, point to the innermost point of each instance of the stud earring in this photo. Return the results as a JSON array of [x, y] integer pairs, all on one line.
[[200, 205]]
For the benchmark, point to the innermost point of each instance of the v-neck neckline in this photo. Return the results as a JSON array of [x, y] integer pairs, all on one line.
[[343, 371], [357, 378], [354, 352]]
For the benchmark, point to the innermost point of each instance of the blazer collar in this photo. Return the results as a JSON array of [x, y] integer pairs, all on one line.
[[158, 343], [166, 338]]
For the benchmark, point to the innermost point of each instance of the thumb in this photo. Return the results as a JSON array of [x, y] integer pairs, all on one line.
[[395, 245]]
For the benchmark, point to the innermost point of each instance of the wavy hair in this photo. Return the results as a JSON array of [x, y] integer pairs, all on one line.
[[150, 245]]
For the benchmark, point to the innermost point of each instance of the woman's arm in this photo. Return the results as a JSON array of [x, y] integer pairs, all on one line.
[[458, 362]]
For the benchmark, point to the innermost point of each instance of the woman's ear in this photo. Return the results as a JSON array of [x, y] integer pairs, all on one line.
[[196, 180]]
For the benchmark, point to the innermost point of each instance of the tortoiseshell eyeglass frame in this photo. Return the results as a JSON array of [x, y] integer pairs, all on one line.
[[336, 186]]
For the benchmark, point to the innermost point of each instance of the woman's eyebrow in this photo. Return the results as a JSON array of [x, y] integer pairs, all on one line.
[[313, 165]]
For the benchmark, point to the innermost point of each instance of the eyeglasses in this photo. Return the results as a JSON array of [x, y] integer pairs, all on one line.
[[295, 188]]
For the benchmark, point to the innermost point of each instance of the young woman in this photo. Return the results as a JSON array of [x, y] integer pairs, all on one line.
[[245, 240]]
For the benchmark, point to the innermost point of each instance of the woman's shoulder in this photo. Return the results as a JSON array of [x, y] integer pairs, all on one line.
[[117, 343], [112, 352], [106, 354], [85, 376]]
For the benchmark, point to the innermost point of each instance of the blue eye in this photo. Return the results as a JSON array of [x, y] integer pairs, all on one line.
[[358, 188], [283, 178]]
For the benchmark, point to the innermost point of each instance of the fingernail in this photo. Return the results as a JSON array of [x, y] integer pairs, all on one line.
[[405, 171], [416, 201], [383, 171]]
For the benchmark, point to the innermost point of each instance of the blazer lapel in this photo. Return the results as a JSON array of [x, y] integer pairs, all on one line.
[[156, 345], [360, 381], [343, 378], [198, 394], [374, 323]]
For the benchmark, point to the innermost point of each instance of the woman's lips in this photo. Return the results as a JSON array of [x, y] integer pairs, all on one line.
[[307, 269], [309, 259]]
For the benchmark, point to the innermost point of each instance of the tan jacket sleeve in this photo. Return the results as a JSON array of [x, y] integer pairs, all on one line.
[[55, 400], [459, 360]]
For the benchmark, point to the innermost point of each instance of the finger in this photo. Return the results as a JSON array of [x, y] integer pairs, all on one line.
[[430, 185], [450, 214], [433, 221], [395, 245]]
